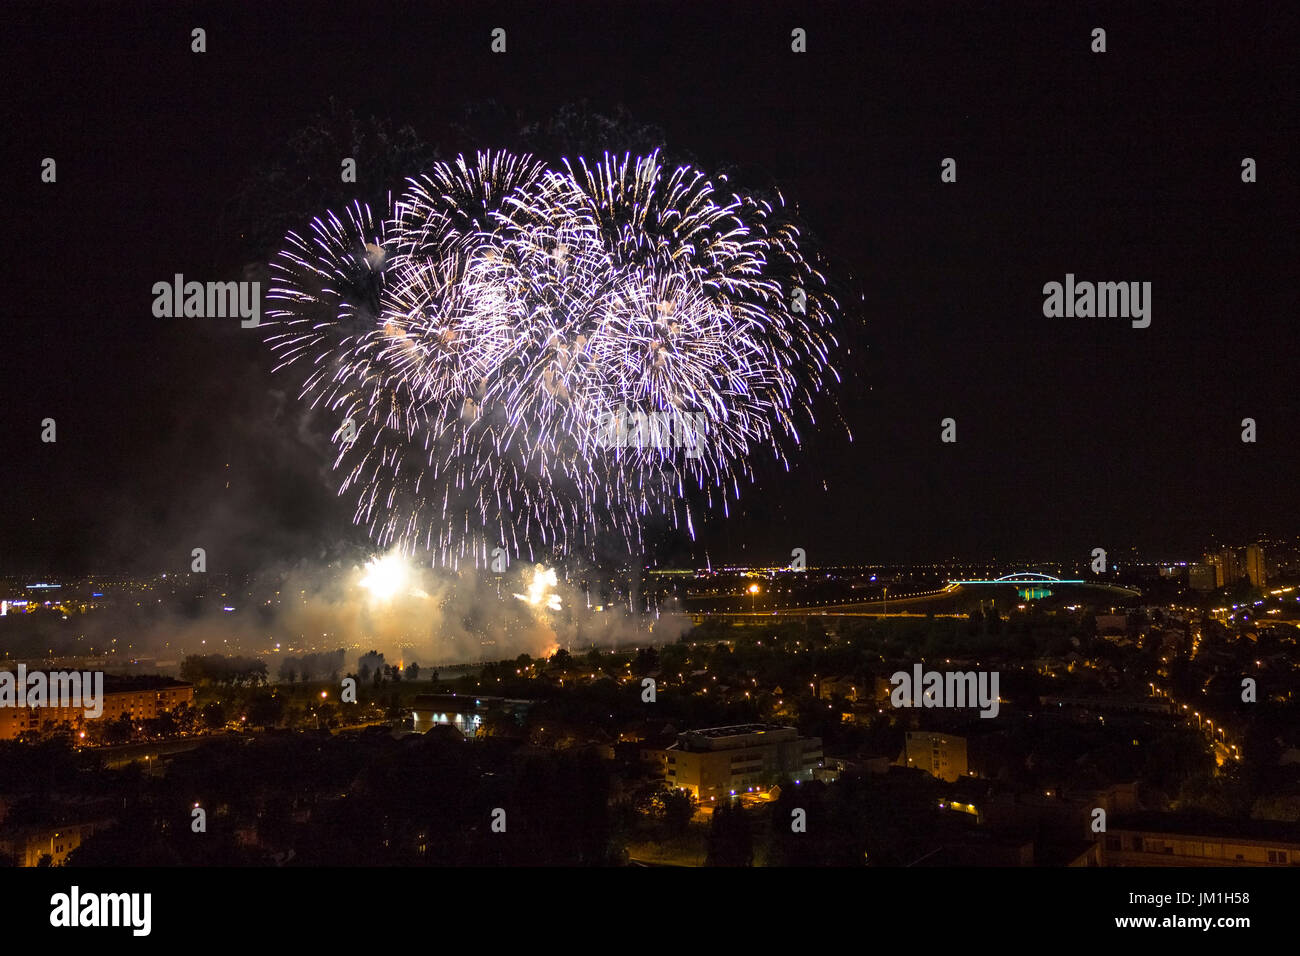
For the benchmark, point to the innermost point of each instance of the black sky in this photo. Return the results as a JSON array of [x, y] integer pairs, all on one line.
[[1072, 433]]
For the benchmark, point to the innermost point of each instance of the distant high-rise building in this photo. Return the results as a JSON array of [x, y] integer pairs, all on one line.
[[1226, 567], [1256, 569], [940, 755], [1215, 563]]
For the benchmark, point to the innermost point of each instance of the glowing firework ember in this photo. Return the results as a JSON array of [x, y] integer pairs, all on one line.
[[385, 577], [476, 343], [541, 589]]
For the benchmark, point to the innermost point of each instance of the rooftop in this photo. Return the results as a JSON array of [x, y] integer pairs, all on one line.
[[734, 730]]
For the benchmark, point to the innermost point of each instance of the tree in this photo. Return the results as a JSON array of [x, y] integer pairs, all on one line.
[[164, 725], [218, 669], [372, 662], [994, 620], [265, 710], [647, 659], [214, 715], [328, 715], [675, 808], [1088, 627], [672, 659], [185, 717], [731, 842], [118, 731]]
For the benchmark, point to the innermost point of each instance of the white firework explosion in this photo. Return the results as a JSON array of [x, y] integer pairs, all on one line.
[[476, 340]]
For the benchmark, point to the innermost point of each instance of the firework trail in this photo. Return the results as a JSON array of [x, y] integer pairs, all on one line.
[[541, 589], [482, 342]]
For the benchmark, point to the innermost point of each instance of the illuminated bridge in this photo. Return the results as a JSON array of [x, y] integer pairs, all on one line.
[[1029, 584]]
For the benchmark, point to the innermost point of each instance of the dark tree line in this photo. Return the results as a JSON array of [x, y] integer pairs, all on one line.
[[322, 666], [219, 669]]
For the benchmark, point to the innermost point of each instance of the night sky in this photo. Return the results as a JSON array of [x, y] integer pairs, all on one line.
[[1072, 432]]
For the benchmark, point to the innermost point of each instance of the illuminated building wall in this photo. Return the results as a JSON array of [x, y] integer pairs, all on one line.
[[135, 704], [1125, 846], [447, 710], [831, 687], [1256, 569], [466, 714], [1226, 568], [718, 762], [26, 847], [940, 755]]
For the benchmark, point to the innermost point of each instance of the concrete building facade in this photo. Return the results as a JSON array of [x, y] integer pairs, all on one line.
[[940, 755], [720, 762]]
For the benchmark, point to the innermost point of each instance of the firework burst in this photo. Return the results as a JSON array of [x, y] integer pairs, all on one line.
[[475, 341]]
